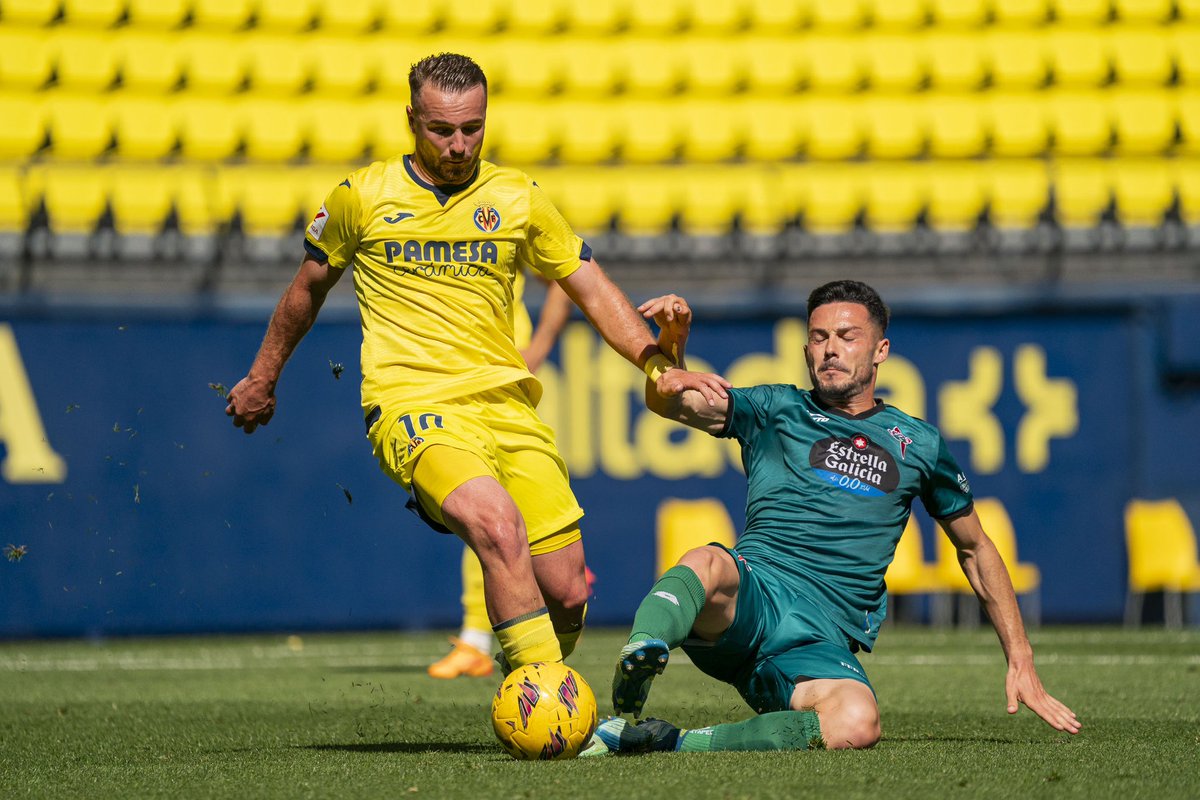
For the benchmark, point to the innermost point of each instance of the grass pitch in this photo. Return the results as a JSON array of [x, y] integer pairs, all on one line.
[[354, 715]]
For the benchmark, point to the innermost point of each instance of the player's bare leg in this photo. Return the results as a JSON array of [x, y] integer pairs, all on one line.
[[847, 711], [563, 580]]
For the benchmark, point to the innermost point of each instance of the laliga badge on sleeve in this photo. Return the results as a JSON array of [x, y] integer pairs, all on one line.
[[317, 226]]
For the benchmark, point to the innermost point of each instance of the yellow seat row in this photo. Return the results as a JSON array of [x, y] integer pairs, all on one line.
[[763, 199], [819, 127], [590, 16], [281, 63]]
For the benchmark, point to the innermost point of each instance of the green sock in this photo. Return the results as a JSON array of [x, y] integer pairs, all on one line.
[[669, 610], [778, 730]]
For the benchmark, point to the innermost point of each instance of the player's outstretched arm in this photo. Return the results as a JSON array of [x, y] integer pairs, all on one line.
[[669, 396], [985, 570], [252, 400]]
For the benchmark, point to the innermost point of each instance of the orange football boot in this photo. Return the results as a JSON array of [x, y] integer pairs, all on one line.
[[464, 659]]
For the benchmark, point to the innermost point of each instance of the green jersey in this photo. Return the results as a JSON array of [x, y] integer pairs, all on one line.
[[829, 495]]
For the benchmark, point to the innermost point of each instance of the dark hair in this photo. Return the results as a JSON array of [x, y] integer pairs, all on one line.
[[851, 292], [450, 72]]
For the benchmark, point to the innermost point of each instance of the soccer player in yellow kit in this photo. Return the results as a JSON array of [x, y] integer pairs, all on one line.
[[434, 238]]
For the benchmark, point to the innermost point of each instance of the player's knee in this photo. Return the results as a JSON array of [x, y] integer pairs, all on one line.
[[710, 565], [499, 540], [853, 725]]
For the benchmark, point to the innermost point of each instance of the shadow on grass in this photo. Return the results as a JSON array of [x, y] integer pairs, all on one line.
[[403, 747]]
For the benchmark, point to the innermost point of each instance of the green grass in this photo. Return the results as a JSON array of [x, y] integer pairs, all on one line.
[[355, 716]]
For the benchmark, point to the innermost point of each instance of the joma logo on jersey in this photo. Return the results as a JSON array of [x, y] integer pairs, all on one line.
[[487, 218], [441, 252]]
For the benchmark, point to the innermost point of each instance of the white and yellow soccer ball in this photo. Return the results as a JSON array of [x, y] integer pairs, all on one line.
[[544, 712]]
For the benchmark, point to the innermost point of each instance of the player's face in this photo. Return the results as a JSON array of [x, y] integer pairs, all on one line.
[[844, 347], [448, 129]]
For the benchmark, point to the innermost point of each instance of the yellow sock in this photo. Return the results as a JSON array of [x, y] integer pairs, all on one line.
[[567, 640], [528, 638]]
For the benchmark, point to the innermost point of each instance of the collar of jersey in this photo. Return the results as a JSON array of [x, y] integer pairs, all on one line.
[[442, 193], [828, 409]]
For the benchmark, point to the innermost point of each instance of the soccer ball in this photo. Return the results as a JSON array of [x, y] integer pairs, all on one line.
[[543, 712]]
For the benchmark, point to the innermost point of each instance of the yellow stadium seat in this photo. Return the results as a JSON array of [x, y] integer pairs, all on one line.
[[268, 200], [535, 17], [894, 196], [958, 13], [1088, 12], [1152, 11], [775, 17], [656, 19], [591, 68], [530, 67], [85, 60], [157, 14], [274, 128], [1141, 55], [956, 125], [833, 63], [29, 12], [837, 15], [521, 131], [586, 196], [24, 128], [647, 131], [1187, 113], [1016, 58], [14, 208], [26, 58], [834, 197], [709, 199], [957, 195], [208, 128], [287, 16], [774, 64], [213, 63], [1186, 173], [1019, 12], [1144, 121], [337, 129], [1078, 56], [140, 199], [647, 201], [899, 14], [75, 198], [411, 19], [591, 17], [92, 13], [1144, 190], [683, 525], [1081, 192], [222, 15], [79, 125], [834, 126], [586, 128], [387, 127], [275, 63], [150, 60], [894, 62], [1189, 10], [909, 573], [471, 17], [193, 196], [775, 128], [954, 60], [1017, 192], [710, 65], [716, 16], [1161, 544], [1185, 47], [712, 130], [648, 66], [767, 207], [893, 126], [341, 65], [1017, 122], [1080, 122], [144, 126]]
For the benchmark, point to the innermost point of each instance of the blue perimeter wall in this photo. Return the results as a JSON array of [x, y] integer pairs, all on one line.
[[170, 520]]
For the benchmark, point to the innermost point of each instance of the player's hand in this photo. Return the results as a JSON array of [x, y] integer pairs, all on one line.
[[1022, 685], [676, 381], [673, 316], [251, 403]]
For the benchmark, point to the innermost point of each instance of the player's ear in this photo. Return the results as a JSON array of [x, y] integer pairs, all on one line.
[[882, 350], [412, 123]]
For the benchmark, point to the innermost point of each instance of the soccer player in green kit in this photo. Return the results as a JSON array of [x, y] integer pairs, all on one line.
[[831, 474]]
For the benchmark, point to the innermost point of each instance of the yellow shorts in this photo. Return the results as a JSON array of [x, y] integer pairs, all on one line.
[[496, 433]]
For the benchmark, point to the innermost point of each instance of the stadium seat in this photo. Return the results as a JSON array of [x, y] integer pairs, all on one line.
[[1188, 10], [1143, 121], [471, 17], [894, 196], [1187, 112], [275, 63], [1079, 57], [84, 60], [222, 15], [24, 130], [1185, 48], [1016, 58], [834, 127], [647, 66], [29, 12], [526, 67], [157, 15], [534, 17], [958, 13], [150, 60], [774, 128], [26, 58], [709, 199], [208, 128], [14, 208], [76, 198], [1017, 123], [144, 127], [1082, 193], [897, 14], [92, 13], [521, 131], [268, 200], [909, 573], [1017, 190], [767, 204], [595, 17], [336, 129], [1186, 174], [590, 68], [775, 17], [647, 132], [193, 197], [586, 196], [833, 63], [893, 127], [1085, 12], [717, 17], [140, 199], [774, 64], [79, 125], [1144, 190], [660, 18], [683, 525], [340, 65], [837, 15], [647, 201], [285, 16], [954, 60], [1141, 56], [1161, 545], [1019, 13], [711, 129], [1151, 11], [957, 195], [710, 65], [273, 128], [834, 195], [894, 62], [410, 19], [587, 131], [1080, 123], [956, 125], [387, 127], [213, 63]]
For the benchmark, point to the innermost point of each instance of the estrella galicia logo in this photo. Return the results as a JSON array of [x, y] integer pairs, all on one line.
[[487, 218], [856, 465], [403, 215]]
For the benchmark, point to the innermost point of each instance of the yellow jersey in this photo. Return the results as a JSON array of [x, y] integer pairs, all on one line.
[[434, 271]]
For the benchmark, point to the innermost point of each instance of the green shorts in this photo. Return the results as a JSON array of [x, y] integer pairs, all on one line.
[[778, 636]]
